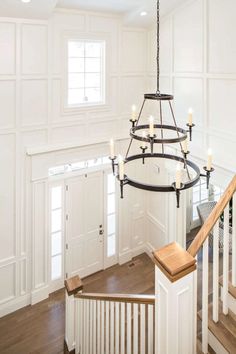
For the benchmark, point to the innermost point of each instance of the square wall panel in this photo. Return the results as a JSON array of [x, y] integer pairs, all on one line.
[[7, 104], [34, 103], [7, 48], [188, 38], [34, 49], [75, 133], [7, 197], [132, 91], [188, 93], [222, 109], [222, 44], [7, 281], [133, 53]]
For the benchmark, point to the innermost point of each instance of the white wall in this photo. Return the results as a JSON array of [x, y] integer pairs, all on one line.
[[198, 65], [32, 115]]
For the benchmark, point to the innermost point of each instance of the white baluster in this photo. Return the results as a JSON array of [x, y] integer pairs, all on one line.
[[142, 329], [102, 327], [112, 322], [122, 329], [205, 298], [135, 328], [107, 327], [117, 331], [91, 303], [234, 242], [150, 329], [225, 288], [129, 335], [94, 327], [78, 326], [98, 327], [216, 273]]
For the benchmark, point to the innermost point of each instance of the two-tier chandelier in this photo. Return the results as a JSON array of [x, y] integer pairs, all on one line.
[[161, 134]]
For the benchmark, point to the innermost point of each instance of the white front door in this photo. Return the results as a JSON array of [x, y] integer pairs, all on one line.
[[84, 224]]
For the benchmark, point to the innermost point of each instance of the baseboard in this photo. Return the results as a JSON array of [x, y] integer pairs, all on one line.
[[14, 305], [149, 249], [39, 295], [231, 301], [139, 250], [125, 257]]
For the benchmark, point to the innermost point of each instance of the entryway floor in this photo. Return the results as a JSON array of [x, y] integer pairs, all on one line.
[[40, 329]]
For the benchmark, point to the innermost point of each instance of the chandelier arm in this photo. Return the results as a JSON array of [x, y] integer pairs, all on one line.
[[139, 116], [158, 47], [162, 135], [185, 162]]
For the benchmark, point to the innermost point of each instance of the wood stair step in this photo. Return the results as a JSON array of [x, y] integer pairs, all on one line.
[[224, 330], [232, 289]]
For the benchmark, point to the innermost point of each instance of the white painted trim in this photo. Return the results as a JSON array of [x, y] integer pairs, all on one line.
[[231, 301], [40, 294], [14, 305]]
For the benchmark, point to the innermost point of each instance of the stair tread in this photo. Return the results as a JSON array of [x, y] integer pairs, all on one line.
[[224, 330], [232, 289]]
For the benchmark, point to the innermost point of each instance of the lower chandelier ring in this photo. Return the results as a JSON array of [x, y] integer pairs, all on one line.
[[162, 188]]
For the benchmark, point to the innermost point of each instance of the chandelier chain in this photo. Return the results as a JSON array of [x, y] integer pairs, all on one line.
[[158, 47]]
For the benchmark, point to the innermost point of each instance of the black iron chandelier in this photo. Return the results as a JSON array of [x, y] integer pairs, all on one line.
[[157, 134]]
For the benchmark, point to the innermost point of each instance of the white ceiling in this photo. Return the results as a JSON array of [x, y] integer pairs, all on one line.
[[130, 9]]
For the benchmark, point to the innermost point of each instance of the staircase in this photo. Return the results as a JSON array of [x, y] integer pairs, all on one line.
[[167, 322]]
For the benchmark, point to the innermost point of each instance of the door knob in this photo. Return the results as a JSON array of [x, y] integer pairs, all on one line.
[[101, 232]]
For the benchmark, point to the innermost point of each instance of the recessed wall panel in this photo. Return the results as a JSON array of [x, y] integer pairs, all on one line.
[[133, 49], [34, 49], [7, 196], [34, 103], [188, 38], [7, 104], [7, 281], [7, 48], [222, 44]]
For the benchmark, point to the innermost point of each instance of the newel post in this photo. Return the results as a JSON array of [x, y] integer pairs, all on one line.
[[175, 304], [73, 286]]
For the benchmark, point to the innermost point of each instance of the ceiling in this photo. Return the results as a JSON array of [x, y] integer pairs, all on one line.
[[129, 9]]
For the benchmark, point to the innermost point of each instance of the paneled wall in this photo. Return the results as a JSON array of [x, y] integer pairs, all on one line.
[[198, 65], [33, 114]]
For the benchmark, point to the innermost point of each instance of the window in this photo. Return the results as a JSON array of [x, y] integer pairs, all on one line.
[[56, 232], [111, 216], [86, 73], [201, 195]]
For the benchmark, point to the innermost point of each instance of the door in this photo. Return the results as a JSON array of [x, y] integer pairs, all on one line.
[[84, 224]]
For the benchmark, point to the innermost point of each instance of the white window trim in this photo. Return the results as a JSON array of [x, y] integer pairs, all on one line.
[[103, 106]]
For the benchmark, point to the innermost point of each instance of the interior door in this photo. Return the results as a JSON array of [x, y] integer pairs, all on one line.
[[84, 224]]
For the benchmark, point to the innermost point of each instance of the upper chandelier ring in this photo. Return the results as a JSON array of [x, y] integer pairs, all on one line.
[[182, 134], [158, 97]]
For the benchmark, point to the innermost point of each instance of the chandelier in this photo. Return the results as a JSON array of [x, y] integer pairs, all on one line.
[[162, 135]]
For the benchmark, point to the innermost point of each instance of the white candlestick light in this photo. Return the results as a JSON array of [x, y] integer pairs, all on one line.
[[209, 160], [185, 145], [190, 117], [134, 116], [178, 176], [121, 168]]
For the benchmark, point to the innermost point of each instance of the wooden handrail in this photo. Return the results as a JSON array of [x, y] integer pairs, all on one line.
[[140, 299], [212, 219]]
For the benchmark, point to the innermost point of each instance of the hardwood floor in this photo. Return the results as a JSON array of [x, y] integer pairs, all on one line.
[[39, 329]]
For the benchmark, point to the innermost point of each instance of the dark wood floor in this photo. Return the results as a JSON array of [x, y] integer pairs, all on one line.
[[39, 329]]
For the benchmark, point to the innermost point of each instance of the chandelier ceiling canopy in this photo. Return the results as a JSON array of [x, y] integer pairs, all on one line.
[[162, 135]]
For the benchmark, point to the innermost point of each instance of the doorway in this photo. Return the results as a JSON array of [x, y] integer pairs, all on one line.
[[83, 225]]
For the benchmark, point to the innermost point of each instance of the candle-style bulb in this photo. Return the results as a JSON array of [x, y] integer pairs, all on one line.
[[209, 159], [178, 176], [134, 109], [190, 117]]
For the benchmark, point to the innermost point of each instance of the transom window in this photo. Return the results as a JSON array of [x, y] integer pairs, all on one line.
[[86, 73]]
